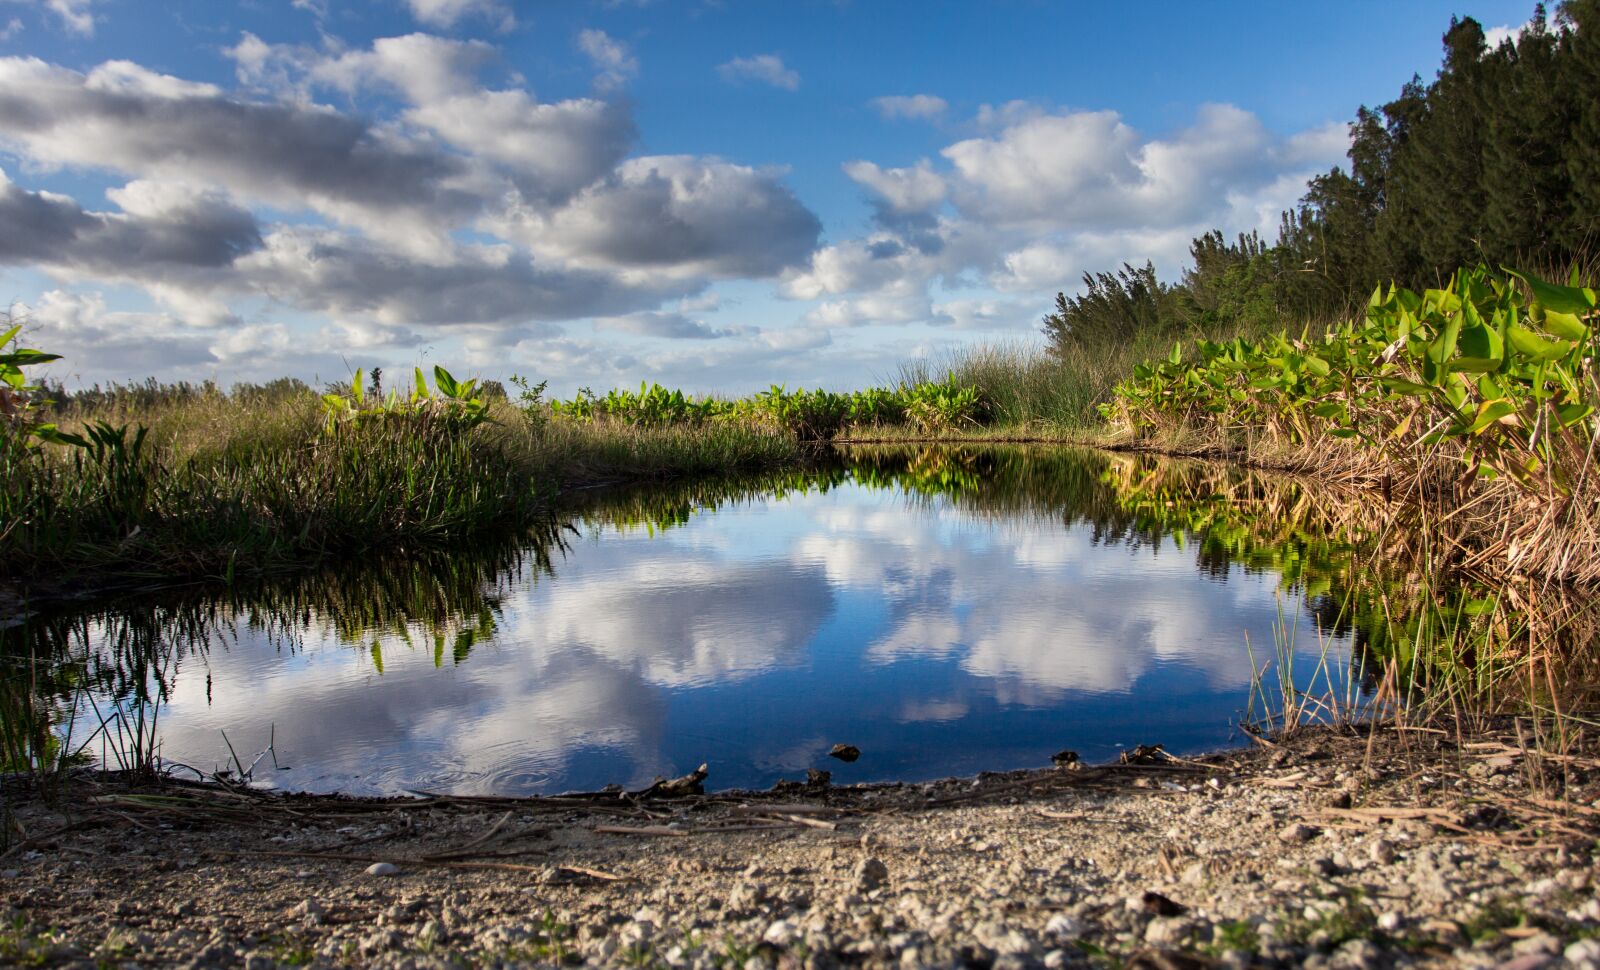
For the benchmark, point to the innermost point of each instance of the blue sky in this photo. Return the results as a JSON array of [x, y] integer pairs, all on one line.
[[715, 195]]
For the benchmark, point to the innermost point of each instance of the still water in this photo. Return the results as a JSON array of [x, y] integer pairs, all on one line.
[[945, 611]]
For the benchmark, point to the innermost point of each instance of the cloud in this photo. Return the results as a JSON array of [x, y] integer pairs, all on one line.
[[677, 217], [903, 190], [924, 106], [610, 57], [548, 150], [475, 208], [669, 326], [12, 28], [445, 13], [1045, 196], [765, 68], [1493, 37], [335, 273], [73, 14], [125, 118], [986, 314], [164, 230]]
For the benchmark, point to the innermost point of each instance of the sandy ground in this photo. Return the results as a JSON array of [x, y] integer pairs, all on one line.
[[1330, 849]]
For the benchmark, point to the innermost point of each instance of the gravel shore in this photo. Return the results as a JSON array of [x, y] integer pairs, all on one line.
[[1331, 849]]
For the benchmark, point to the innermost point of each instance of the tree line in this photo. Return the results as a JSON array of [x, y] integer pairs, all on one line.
[[1495, 161]]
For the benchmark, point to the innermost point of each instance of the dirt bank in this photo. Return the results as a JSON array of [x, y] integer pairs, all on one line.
[[1331, 849]]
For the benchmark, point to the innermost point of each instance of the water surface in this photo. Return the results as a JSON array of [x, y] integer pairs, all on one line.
[[946, 611]]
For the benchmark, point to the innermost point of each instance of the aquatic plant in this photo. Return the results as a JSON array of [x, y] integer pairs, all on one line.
[[810, 415], [1483, 381]]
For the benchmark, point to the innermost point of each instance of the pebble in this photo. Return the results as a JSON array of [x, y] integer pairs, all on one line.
[[1584, 954], [1063, 927], [309, 912], [1299, 833], [871, 873], [1382, 852], [383, 869], [1539, 943], [780, 934]]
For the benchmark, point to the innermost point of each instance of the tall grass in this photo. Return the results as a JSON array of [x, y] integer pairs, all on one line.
[[210, 485]]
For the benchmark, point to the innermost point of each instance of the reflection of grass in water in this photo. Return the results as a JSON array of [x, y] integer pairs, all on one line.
[[1420, 642]]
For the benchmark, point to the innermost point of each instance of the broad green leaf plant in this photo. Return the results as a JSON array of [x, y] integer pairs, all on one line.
[[1505, 375]]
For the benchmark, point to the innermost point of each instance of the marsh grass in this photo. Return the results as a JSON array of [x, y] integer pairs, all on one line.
[[206, 485]]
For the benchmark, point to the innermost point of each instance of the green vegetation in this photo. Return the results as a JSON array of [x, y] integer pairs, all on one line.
[[1476, 389], [930, 406], [1508, 384], [1497, 161], [192, 483]]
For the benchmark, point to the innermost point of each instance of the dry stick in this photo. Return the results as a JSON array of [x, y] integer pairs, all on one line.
[[468, 847], [421, 863], [815, 823], [640, 830]]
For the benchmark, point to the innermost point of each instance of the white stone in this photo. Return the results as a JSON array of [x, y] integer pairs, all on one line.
[[781, 933], [383, 869]]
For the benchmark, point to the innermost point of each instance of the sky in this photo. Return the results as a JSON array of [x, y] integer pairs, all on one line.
[[717, 195]]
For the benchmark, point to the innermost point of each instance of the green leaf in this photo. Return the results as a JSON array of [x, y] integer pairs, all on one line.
[[1444, 345], [1562, 299], [23, 358], [1402, 386], [1532, 345], [1488, 413], [1481, 342], [446, 383], [1565, 325], [1571, 414], [1176, 357]]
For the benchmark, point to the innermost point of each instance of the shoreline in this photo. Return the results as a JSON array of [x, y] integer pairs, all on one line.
[[18, 597], [1331, 847]]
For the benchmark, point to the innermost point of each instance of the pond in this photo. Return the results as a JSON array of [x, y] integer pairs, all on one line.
[[944, 610]]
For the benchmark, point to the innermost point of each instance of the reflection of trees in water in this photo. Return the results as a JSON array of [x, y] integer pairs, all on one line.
[[126, 654], [1323, 545]]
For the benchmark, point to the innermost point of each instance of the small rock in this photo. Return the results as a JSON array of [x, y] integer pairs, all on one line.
[[1539, 943], [818, 779], [780, 934], [1167, 931], [845, 752], [1299, 833], [1063, 927], [1389, 922], [1358, 955], [430, 934], [1584, 954], [309, 912], [870, 874], [1055, 959], [383, 869]]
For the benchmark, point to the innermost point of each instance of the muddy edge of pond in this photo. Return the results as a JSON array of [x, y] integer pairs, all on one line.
[[1328, 849]]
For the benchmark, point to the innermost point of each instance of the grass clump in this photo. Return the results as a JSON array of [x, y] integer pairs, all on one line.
[[210, 485]]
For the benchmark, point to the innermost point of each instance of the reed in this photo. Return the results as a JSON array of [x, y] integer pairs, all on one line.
[[216, 486]]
